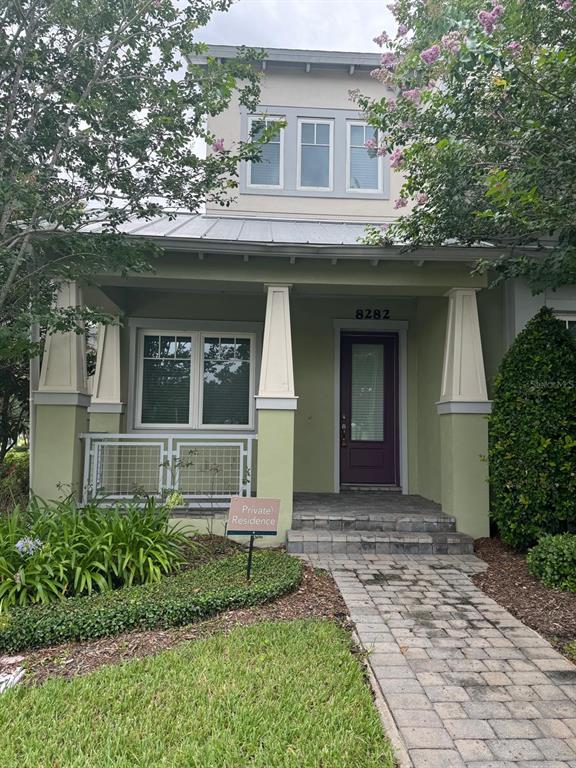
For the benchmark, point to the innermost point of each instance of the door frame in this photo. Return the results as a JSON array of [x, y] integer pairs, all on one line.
[[355, 326]]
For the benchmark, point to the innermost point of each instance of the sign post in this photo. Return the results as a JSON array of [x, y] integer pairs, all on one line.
[[252, 517]]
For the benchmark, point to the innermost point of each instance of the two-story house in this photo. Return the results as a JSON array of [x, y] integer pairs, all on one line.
[[273, 353]]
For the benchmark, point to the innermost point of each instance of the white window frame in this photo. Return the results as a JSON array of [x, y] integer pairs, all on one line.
[[380, 189], [266, 119], [196, 379], [315, 121]]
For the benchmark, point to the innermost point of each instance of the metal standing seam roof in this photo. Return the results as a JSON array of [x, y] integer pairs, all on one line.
[[247, 230]]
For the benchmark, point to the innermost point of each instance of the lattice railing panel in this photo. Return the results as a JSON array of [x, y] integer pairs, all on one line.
[[209, 470], [123, 470]]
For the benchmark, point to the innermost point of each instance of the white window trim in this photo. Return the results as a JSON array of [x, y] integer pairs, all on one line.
[[267, 119], [380, 189], [196, 379], [566, 317], [315, 121]]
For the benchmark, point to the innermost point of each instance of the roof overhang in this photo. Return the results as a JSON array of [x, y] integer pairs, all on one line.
[[301, 59]]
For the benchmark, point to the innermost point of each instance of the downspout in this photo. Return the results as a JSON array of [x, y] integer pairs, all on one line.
[[33, 387]]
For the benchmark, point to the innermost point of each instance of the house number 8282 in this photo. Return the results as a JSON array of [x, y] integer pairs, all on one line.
[[372, 314]]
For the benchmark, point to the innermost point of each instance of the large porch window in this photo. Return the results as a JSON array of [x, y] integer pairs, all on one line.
[[195, 379]]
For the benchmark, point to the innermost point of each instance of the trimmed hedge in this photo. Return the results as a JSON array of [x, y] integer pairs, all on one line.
[[553, 561], [174, 601], [532, 447]]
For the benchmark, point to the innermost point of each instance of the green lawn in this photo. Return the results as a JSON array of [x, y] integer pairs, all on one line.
[[266, 695]]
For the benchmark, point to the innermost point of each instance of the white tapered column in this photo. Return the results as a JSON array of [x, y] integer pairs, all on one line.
[[276, 402], [106, 407], [60, 405], [463, 409]]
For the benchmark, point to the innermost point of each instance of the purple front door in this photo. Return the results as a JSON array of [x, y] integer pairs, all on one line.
[[369, 409]]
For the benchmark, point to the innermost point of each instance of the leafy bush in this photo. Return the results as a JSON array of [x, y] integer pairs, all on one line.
[[14, 480], [175, 600], [51, 552], [553, 561], [532, 448]]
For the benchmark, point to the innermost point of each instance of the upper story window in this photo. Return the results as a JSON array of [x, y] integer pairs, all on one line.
[[364, 167], [315, 150], [268, 171], [317, 153]]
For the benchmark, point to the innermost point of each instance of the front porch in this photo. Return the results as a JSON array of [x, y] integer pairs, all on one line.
[[235, 375]]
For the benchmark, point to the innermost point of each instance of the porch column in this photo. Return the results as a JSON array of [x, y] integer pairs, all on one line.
[[61, 403], [276, 403], [463, 408], [106, 407]]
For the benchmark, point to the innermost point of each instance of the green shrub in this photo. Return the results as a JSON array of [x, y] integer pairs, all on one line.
[[175, 600], [553, 561], [532, 447], [14, 480], [51, 552]]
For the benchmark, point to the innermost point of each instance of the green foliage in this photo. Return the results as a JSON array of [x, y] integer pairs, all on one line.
[[553, 561], [52, 552], [484, 122], [14, 480], [101, 107], [284, 694], [532, 438], [175, 600]]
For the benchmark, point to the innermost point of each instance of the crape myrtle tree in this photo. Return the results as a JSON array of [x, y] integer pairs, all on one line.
[[479, 116], [100, 115]]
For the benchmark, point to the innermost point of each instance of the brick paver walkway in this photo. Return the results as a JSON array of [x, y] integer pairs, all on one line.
[[466, 682]]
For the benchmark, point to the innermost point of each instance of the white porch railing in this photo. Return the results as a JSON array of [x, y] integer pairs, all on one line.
[[205, 468]]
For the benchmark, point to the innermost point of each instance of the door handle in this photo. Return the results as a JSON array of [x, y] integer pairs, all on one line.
[[343, 432]]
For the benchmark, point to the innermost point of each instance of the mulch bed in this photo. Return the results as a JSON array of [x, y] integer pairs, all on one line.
[[549, 612], [317, 597]]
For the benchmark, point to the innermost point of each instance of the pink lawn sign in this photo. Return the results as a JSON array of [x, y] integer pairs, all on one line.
[[253, 517]]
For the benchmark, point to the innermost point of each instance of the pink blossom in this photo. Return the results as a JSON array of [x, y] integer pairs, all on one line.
[[430, 55], [413, 95], [381, 151], [564, 5], [382, 39], [384, 226], [489, 19], [388, 60], [218, 145], [396, 158], [422, 198], [381, 74], [402, 30], [391, 104], [393, 8], [451, 42], [401, 202], [515, 47], [487, 22], [371, 144]]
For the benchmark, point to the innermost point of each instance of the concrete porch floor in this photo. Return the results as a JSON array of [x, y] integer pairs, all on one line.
[[364, 503]]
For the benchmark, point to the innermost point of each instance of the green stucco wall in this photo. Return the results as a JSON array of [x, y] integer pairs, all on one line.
[[464, 438], [58, 451]]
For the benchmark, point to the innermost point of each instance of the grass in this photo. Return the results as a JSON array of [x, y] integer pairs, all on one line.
[[270, 695]]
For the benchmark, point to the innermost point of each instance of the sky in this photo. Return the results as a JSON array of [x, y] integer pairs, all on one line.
[[338, 25]]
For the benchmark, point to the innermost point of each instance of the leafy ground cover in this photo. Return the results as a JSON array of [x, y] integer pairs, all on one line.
[[316, 597], [174, 601], [270, 695], [508, 581]]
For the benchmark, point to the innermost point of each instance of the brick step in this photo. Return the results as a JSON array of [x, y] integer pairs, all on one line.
[[375, 521], [360, 542]]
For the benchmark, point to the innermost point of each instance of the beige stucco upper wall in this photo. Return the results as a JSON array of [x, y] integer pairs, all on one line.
[[318, 89]]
